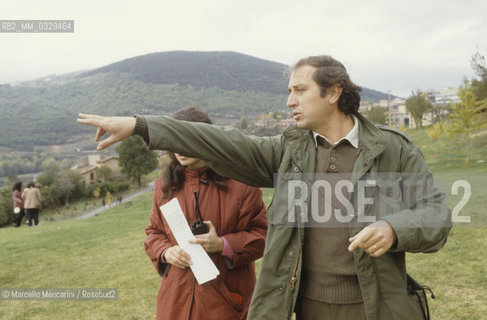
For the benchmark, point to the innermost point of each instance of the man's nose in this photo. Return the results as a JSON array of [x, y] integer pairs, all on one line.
[[291, 101]]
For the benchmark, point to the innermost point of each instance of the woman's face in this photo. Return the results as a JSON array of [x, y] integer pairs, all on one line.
[[192, 163]]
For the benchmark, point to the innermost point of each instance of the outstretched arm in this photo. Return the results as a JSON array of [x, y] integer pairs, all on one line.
[[251, 160]]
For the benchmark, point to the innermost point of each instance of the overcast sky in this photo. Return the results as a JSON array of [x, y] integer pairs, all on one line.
[[385, 44]]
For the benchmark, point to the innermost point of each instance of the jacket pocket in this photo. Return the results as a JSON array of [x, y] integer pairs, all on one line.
[[386, 198], [229, 300]]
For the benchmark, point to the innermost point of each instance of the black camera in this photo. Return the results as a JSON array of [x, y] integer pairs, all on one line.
[[198, 227]]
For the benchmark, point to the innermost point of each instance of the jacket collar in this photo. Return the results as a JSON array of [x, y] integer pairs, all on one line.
[[352, 135], [303, 149], [372, 142], [195, 173]]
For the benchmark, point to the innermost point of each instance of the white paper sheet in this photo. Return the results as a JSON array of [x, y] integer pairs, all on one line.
[[203, 267]]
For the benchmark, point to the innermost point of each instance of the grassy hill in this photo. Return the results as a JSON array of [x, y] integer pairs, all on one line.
[[227, 84], [101, 252]]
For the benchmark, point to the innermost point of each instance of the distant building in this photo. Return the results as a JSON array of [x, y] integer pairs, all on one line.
[[396, 112], [87, 167], [447, 96], [399, 116], [266, 123], [285, 123]]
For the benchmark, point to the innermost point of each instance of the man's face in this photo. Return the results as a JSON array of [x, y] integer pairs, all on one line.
[[310, 109]]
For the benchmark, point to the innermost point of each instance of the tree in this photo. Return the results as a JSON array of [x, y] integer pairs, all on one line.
[[466, 117], [377, 114], [479, 86], [135, 159], [104, 172], [59, 187], [6, 205], [417, 105], [243, 122]]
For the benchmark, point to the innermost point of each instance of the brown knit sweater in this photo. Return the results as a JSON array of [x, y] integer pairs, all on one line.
[[329, 273]]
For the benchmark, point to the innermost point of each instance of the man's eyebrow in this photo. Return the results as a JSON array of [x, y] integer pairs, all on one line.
[[294, 86]]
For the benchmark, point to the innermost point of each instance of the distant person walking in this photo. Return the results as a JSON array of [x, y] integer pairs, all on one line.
[[18, 203], [32, 203]]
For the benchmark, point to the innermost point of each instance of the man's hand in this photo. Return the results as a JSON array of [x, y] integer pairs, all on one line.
[[209, 241], [177, 257], [375, 239], [119, 128]]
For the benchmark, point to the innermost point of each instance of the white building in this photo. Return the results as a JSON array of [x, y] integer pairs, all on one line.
[[447, 96]]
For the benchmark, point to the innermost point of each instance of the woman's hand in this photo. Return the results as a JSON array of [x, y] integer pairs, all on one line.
[[177, 257], [209, 241]]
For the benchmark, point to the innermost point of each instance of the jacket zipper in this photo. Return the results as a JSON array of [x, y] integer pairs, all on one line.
[[192, 299]]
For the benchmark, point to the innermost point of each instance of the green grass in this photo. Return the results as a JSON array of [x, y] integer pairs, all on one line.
[[101, 252], [448, 154], [457, 274]]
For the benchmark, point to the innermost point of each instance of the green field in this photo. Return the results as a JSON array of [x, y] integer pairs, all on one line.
[[107, 252]]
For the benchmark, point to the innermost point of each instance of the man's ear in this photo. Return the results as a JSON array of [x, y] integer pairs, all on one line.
[[335, 93]]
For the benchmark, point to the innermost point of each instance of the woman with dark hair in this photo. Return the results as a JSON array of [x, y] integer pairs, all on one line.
[[234, 215], [32, 203], [18, 203]]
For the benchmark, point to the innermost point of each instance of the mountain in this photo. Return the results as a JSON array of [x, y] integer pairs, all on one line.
[[224, 70], [226, 84]]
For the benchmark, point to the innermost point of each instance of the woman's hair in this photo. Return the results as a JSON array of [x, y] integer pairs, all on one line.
[[173, 173], [17, 186], [330, 72]]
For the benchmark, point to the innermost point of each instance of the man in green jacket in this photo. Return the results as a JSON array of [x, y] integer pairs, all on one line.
[[330, 253]]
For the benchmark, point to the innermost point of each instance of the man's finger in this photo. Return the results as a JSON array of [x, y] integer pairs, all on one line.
[[372, 248], [89, 116], [106, 143], [89, 119], [373, 240], [99, 133], [377, 253], [359, 239]]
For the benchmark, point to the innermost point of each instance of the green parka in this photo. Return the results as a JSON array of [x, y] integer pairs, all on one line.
[[421, 221]]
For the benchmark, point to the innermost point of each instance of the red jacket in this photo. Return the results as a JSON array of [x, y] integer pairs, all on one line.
[[239, 215]]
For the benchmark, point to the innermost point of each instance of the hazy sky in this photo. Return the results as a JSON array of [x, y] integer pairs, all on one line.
[[385, 44]]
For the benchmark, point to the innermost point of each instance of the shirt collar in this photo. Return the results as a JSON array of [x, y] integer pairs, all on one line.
[[352, 135]]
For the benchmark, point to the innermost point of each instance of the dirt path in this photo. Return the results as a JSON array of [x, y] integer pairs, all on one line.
[[125, 200]]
